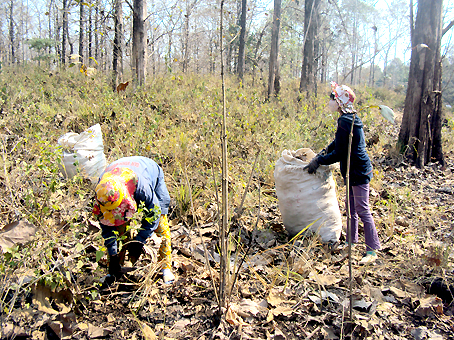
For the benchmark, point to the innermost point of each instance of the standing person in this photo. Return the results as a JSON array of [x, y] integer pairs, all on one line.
[[126, 186], [342, 98]]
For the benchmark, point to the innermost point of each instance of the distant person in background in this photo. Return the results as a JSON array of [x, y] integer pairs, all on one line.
[[342, 98], [126, 186]]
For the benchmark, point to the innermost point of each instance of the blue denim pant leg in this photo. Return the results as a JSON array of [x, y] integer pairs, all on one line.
[[359, 207], [110, 239]]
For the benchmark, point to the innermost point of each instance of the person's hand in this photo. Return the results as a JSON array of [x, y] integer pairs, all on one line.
[[312, 166]]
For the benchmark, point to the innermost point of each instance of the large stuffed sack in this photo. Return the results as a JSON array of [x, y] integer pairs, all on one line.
[[307, 199], [83, 153]]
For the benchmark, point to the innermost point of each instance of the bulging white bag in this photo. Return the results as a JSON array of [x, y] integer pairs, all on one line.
[[307, 198], [83, 153]]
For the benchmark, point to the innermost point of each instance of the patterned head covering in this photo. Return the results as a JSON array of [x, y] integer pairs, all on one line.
[[115, 204], [344, 96]]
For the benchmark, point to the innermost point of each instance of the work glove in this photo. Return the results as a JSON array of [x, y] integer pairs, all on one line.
[[312, 166], [135, 249]]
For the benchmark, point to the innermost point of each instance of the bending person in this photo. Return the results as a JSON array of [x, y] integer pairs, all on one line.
[[127, 185]]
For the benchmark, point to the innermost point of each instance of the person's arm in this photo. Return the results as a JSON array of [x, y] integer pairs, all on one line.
[[337, 149], [330, 147], [162, 194]]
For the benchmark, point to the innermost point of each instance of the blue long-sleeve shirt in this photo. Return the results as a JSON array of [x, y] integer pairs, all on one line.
[[360, 164]]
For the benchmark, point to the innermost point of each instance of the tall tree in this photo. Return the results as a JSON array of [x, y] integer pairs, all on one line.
[[90, 33], [11, 33], [138, 41], [117, 59], [96, 29], [273, 71], [81, 31], [420, 132], [64, 31], [242, 41], [311, 23], [189, 8]]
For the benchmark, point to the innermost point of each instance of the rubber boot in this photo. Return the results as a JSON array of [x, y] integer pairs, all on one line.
[[135, 250], [114, 271]]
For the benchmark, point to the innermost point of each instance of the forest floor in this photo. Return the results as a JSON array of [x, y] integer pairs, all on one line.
[[50, 287], [284, 290]]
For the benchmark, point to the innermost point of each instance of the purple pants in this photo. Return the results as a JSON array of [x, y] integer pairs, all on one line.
[[359, 206]]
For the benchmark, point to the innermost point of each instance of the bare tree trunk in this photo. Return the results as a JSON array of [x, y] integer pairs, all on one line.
[[372, 64], [169, 53], [51, 36], [354, 48], [64, 32], [274, 47], [212, 58], [138, 41], [103, 40], [412, 25], [81, 31], [57, 32], [117, 44], [308, 68], [224, 263], [189, 8], [242, 40], [11, 34], [90, 34], [420, 133], [256, 51], [324, 63]]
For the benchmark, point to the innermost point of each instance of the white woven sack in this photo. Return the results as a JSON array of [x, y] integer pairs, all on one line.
[[83, 153], [305, 198]]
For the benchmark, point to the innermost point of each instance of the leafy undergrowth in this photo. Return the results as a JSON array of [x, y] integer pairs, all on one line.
[[299, 289]]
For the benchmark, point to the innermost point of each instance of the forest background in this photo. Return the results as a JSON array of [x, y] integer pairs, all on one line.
[[359, 42], [56, 79]]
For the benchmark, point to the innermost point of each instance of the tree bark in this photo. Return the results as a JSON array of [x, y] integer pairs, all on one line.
[[57, 31], [138, 41], [309, 66], [189, 8], [274, 48], [11, 34], [96, 30], [64, 32], [242, 41], [81, 32], [420, 133], [117, 44], [90, 35]]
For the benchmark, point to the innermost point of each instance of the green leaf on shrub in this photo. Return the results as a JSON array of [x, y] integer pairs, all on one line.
[[99, 255]]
